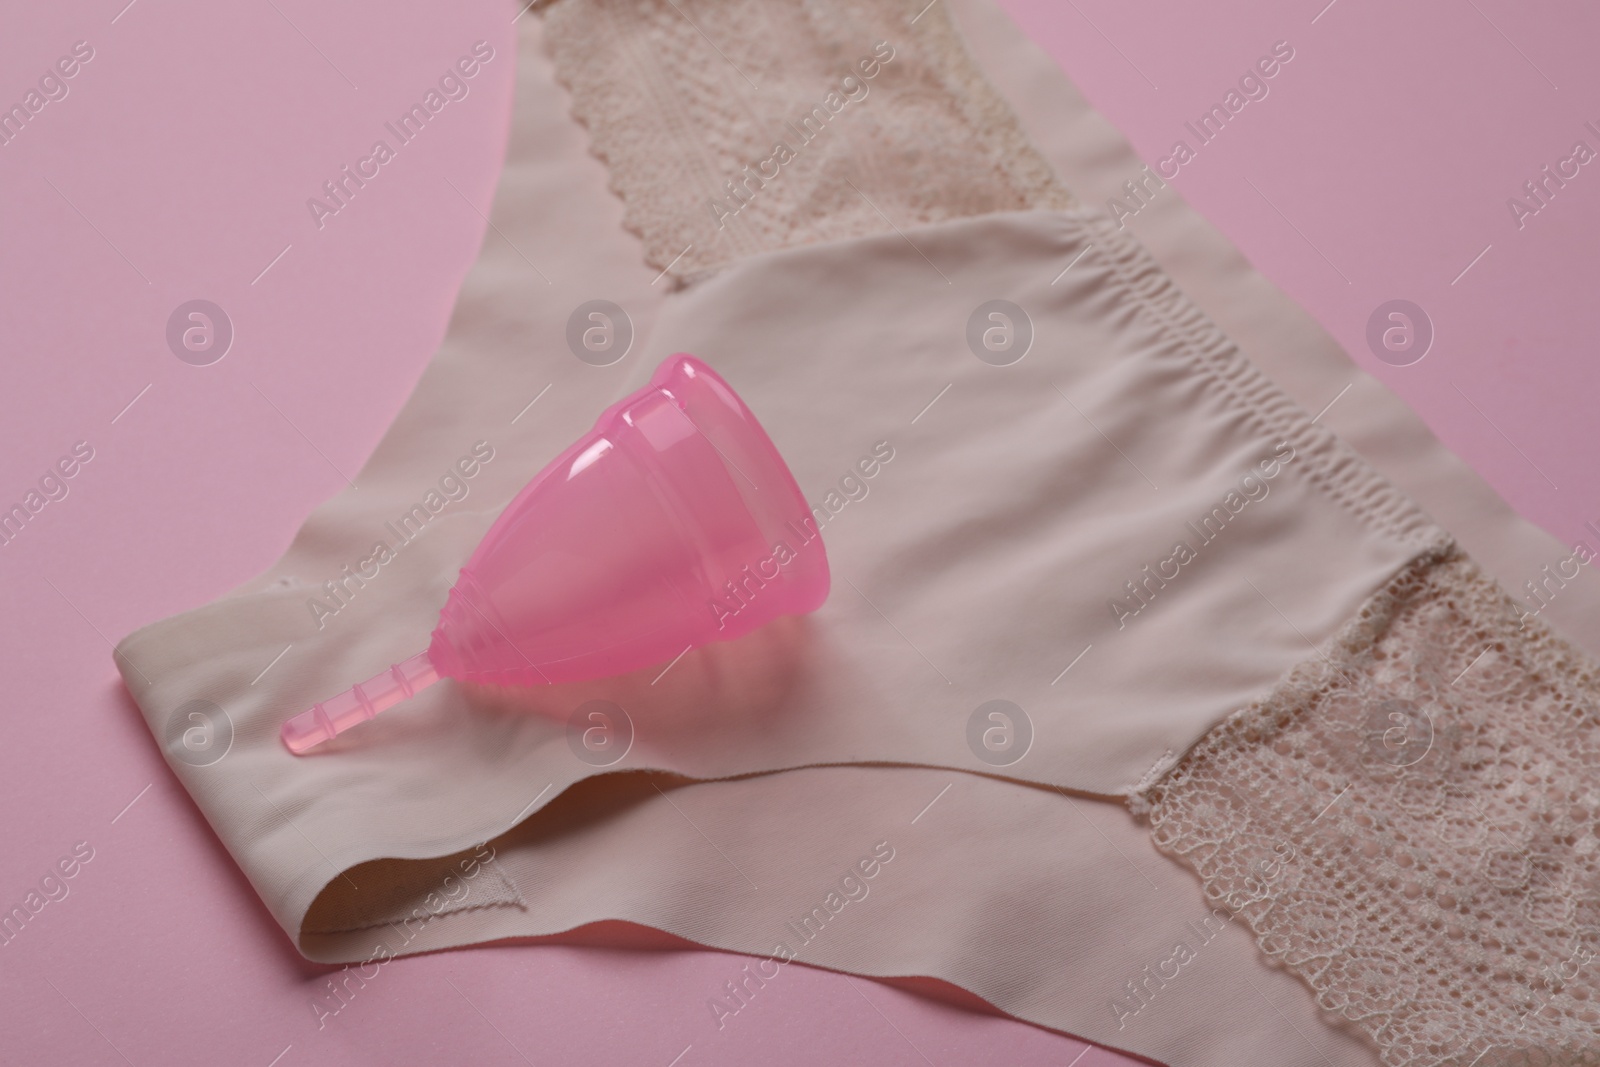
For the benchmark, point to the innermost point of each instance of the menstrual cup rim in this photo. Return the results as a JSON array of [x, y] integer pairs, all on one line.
[[663, 378]]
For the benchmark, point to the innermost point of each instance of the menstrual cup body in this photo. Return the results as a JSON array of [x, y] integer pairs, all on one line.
[[671, 524]]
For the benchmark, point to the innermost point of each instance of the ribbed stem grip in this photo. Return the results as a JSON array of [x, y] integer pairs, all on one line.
[[332, 717]]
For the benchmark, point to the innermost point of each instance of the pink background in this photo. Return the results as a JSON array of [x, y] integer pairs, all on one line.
[[178, 167]]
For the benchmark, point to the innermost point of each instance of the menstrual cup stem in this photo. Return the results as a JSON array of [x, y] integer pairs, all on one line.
[[359, 703]]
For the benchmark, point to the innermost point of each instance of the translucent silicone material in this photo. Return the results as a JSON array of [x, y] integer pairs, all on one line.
[[673, 523]]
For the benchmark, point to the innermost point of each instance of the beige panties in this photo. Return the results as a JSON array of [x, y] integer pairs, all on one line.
[[1127, 541]]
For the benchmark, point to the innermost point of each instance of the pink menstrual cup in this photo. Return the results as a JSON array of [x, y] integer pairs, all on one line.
[[671, 524]]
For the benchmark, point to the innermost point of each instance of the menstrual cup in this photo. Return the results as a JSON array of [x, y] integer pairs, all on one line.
[[673, 523]]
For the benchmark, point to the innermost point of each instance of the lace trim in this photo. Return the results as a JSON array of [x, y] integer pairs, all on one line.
[[737, 127], [1411, 824]]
